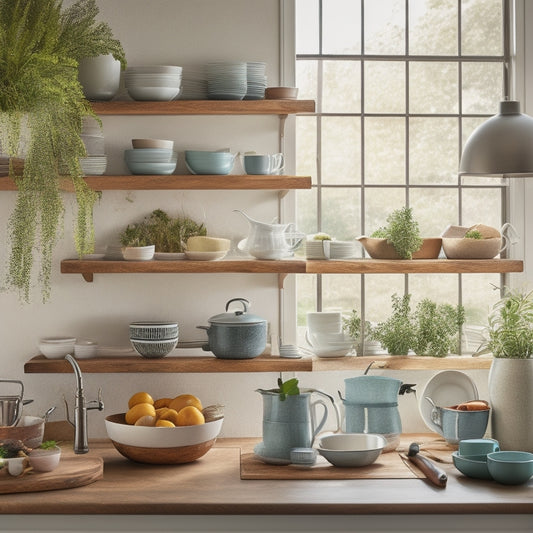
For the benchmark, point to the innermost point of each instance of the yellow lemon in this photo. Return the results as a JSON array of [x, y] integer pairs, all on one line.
[[162, 402], [169, 414], [140, 397], [146, 420], [141, 409], [190, 416], [184, 400], [160, 412], [164, 424]]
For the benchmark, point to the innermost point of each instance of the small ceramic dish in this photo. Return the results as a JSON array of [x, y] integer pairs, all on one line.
[[474, 466], [205, 256], [351, 449], [510, 467], [42, 460]]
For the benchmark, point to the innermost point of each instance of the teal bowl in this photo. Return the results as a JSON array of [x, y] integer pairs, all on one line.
[[474, 466], [199, 162], [155, 168], [511, 467]]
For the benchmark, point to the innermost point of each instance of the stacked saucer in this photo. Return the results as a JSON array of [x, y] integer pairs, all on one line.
[[226, 81], [256, 81], [157, 82], [95, 163], [317, 249], [342, 249], [194, 83]]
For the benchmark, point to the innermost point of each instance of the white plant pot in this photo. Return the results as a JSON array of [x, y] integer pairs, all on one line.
[[99, 77], [138, 253], [511, 400]]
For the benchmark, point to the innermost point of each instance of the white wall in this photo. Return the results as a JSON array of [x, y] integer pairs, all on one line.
[[184, 33]]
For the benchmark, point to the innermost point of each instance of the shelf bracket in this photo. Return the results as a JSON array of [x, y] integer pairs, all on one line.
[[282, 119], [281, 279], [87, 276]]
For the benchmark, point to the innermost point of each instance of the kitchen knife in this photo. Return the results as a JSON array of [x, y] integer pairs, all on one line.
[[437, 476]]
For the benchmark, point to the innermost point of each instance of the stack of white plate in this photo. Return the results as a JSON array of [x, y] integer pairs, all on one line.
[[157, 82], [342, 249], [95, 163], [113, 253], [226, 81], [315, 249], [256, 81], [194, 83]]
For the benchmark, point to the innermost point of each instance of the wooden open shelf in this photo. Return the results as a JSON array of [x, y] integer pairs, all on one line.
[[292, 266], [182, 182], [264, 363], [205, 107]]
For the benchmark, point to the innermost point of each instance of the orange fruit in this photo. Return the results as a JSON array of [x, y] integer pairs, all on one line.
[[160, 412], [141, 409], [140, 397], [164, 424], [146, 420], [190, 416], [169, 414], [183, 400], [162, 402]]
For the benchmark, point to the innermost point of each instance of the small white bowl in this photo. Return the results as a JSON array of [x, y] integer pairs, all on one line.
[[85, 349], [56, 347], [45, 460], [138, 253], [351, 449]]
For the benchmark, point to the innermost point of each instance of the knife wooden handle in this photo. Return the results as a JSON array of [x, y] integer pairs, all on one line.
[[434, 474]]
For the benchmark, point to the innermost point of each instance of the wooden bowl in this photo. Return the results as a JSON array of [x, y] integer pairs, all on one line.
[[155, 445], [457, 248], [30, 431], [381, 249]]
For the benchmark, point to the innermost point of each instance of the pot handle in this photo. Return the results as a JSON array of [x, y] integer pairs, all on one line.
[[205, 347], [15, 381], [245, 304], [316, 428]]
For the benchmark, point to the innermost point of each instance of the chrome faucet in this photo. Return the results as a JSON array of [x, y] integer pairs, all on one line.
[[81, 442]]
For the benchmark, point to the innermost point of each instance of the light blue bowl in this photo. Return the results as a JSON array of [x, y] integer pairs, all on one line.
[[511, 467], [474, 466], [199, 162], [151, 167], [145, 155]]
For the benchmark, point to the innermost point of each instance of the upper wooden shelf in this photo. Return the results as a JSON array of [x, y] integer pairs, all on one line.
[[205, 107], [264, 363], [293, 266], [183, 182]]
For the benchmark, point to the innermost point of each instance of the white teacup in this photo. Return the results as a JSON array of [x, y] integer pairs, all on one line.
[[263, 164], [324, 322]]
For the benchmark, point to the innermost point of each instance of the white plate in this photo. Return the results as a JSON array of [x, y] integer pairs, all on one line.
[[446, 388], [205, 256], [168, 256]]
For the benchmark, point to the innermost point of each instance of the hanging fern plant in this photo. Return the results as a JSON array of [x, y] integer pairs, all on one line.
[[41, 110]]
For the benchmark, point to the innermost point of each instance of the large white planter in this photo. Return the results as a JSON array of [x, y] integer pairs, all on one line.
[[511, 399]]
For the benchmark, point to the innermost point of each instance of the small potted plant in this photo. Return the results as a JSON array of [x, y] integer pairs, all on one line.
[[46, 457], [137, 243], [510, 340], [400, 239]]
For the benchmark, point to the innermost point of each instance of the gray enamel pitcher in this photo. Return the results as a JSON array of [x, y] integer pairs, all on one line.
[[292, 422], [371, 406]]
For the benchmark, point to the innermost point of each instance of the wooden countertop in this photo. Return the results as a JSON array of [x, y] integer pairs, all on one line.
[[212, 485]]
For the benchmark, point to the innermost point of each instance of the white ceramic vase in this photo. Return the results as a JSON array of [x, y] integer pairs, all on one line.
[[511, 399], [99, 76]]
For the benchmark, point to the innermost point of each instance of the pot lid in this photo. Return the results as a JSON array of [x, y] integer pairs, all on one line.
[[239, 316]]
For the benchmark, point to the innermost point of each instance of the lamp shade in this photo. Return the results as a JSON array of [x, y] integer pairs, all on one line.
[[501, 146]]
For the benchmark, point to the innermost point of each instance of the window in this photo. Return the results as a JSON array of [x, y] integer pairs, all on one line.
[[399, 86]]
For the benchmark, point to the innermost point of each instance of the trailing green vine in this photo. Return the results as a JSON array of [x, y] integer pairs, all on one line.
[[41, 110]]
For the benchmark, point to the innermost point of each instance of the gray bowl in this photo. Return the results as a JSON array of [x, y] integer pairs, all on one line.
[[153, 349], [351, 449]]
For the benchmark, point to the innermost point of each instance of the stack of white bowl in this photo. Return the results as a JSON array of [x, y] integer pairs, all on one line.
[[342, 249], [317, 249], [157, 82], [256, 81], [226, 81], [151, 156], [92, 136], [194, 83]]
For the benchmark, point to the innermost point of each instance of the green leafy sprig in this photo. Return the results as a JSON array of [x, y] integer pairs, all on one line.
[[288, 388]]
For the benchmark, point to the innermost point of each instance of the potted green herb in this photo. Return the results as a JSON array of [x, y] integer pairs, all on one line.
[[351, 326], [396, 333], [437, 328], [41, 110], [137, 243], [510, 340], [400, 239]]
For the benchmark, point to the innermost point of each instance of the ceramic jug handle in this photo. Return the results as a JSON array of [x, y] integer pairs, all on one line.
[[316, 428]]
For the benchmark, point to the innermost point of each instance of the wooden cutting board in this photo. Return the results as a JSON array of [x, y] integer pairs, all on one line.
[[71, 472], [388, 466]]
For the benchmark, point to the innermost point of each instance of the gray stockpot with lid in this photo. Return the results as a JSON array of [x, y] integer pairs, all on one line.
[[236, 334]]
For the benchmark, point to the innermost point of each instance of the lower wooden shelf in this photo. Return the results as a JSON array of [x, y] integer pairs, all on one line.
[[263, 363]]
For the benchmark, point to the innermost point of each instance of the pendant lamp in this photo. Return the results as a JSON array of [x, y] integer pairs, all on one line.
[[502, 146]]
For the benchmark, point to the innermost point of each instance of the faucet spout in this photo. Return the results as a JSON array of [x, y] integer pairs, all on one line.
[[81, 441]]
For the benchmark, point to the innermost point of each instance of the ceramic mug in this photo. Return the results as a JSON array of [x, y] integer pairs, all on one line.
[[478, 446], [455, 425], [263, 164]]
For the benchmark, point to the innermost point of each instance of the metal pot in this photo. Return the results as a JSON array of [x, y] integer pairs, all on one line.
[[11, 406], [237, 334]]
